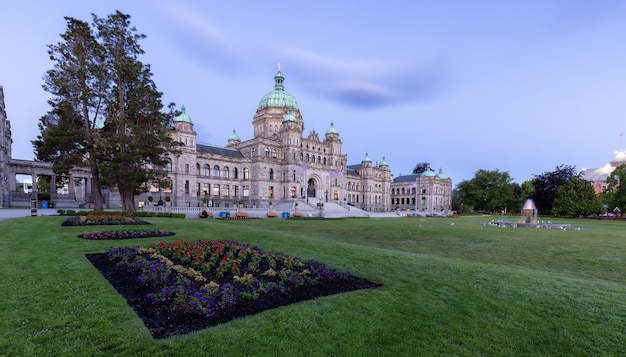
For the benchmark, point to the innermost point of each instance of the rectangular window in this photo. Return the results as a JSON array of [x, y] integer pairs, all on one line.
[[186, 168], [206, 189], [186, 187], [236, 191], [246, 191], [270, 191], [225, 189], [216, 190], [198, 189]]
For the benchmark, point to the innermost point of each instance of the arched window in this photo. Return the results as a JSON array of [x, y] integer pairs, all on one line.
[[307, 157], [267, 153], [324, 161], [206, 170], [246, 173], [168, 165], [216, 171], [274, 154], [301, 156], [271, 174], [236, 173], [226, 172], [313, 158], [319, 159]]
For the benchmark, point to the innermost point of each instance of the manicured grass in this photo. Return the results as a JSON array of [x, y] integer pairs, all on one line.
[[464, 289]]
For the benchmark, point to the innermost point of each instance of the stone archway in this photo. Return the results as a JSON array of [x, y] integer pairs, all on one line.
[[311, 188]]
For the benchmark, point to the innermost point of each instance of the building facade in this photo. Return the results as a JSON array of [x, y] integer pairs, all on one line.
[[428, 193], [279, 163]]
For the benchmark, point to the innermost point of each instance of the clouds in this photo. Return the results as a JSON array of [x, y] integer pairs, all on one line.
[[355, 82]]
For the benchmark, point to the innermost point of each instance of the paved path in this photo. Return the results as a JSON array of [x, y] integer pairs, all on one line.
[[6, 213]]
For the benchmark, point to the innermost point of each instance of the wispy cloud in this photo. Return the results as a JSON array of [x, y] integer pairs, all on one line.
[[365, 83]]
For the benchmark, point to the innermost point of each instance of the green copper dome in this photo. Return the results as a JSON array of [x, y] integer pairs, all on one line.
[[332, 129], [429, 172], [441, 175], [366, 158], [234, 136], [289, 117], [279, 97], [183, 116], [384, 162]]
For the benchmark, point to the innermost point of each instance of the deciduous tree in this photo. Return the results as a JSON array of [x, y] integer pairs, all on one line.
[[576, 198], [617, 189], [489, 190], [546, 184], [421, 167]]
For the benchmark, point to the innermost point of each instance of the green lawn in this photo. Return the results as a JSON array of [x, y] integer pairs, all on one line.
[[461, 289]]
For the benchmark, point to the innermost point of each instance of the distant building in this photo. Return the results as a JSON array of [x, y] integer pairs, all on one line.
[[427, 193], [597, 177]]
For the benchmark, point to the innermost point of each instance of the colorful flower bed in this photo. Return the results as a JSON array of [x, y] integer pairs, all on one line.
[[124, 234], [193, 285], [102, 219]]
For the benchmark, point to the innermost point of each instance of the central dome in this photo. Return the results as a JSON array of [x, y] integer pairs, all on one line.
[[279, 97]]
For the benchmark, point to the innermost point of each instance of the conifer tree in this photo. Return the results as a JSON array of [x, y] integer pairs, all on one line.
[[98, 74]]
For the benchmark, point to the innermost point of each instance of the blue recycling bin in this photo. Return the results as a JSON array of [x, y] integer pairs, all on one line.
[[44, 204], [223, 214], [285, 214]]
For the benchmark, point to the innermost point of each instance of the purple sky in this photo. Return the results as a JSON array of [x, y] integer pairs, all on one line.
[[465, 85]]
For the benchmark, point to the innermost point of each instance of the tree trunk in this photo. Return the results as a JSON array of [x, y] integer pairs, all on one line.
[[96, 189], [128, 200]]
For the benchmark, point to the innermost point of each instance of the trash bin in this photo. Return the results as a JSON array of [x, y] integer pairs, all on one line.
[[44, 204], [285, 214], [223, 214]]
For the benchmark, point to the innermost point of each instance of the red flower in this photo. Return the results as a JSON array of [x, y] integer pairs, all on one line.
[[235, 266]]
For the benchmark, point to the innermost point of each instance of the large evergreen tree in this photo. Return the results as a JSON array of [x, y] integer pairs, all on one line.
[[68, 135], [132, 144]]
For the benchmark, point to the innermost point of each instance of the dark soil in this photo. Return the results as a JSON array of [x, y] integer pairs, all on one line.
[[166, 319]]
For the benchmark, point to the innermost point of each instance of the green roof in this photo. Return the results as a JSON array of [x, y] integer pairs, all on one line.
[[234, 136], [289, 117], [366, 158], [279, 97], [183, 116], [332, 129]]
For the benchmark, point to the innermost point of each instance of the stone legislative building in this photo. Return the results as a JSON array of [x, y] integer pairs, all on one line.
[[280, 165]]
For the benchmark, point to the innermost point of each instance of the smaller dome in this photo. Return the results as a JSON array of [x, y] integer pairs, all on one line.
[[620, 158], [441, 175], [100, 121], [429, 172], [183, 117], [289, 117], [366, 158], [234, 136], [384, 162], [332, 129]]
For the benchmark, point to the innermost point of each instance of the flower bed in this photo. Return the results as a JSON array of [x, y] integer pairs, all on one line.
[[102, 219], [186, 286], [124, 234]]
